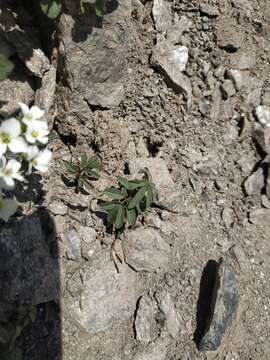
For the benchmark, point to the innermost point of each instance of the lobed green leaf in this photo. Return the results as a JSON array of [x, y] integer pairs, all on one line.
[[120, 218], [131, 216], [135, 201], [114, 193]]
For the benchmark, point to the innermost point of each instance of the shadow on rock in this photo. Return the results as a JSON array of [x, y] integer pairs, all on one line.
[[30, 281], [204, 304]]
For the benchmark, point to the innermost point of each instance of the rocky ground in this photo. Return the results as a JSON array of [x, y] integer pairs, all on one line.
[[181, 88]]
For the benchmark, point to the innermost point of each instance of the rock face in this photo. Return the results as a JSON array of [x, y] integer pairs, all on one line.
[[108, 296], [156, 351], [95, 57], [28, 273], [225, 299], [145, 249]]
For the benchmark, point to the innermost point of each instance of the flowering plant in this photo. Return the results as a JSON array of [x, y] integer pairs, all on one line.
[[22, 149]]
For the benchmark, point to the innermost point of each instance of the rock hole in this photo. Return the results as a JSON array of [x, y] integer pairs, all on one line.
[[153, 147], [204, 303]]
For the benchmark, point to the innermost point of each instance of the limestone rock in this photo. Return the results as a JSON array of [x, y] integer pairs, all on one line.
[[145, 249], [145, 323], [73, 245], [171, 61], [172, 322], [162, 15], [155, 351], [263, 114], [108, 296], [95, 57]]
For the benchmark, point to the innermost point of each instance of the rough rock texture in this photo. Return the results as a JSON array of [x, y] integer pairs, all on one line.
[[172, 322], [94, 57], [155, 351], [45, 94], [18, 87], [145, 249], [145, 323], [225, 299], [171, 61], [28, 273], [263, 114], [107, 296], [73, 245], [162, 15]]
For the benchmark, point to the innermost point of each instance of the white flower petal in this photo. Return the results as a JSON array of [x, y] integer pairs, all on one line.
[[3, 149], [36, 112], [43, 140], [25, 108], [8, 207], [14, 165], [31, 152], [8, 182], [18, 145], [12, 127]]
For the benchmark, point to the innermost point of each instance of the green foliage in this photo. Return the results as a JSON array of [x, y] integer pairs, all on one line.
[[83, 171], [131, 198], [6, 67], [51, 8]]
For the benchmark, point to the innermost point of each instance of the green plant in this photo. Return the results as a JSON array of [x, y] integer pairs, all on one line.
[[130, 199], [83, 171], [6, 67]]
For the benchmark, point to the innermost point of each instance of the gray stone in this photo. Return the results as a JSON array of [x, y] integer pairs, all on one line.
[[263, 114], [172, 322], [108, 296], [179, 27], [237, 77], [225, 300], [260, 217], [28, 273], [266, 98], [209, 10], [256, 181], [95, 57], [262, 136], [227, 89], [142, 148], [171, 61], [162, 15], [73, 245], [15, 89], [58, 208], [145, 322], [227, 217], [145, 250], [33, 57], [45, 94]]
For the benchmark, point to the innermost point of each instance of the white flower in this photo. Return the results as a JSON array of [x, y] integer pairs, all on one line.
[[10, 131], [9, 171], [38, 159], [29, 115], [37, 131], [8, 207]]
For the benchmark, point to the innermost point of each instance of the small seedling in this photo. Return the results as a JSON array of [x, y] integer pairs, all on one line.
[[84, 170], [130, 199]]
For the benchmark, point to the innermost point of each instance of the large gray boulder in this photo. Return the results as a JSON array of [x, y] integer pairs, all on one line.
[[94, 55]]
